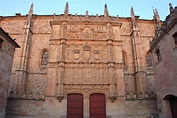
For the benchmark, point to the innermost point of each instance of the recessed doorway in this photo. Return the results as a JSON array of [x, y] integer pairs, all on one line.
[[75, 105], [97, 106]]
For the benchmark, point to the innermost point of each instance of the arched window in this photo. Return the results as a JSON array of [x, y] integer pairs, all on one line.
[[158, 54], [124, 59], [148, 60], [175, 38], [44, 58]]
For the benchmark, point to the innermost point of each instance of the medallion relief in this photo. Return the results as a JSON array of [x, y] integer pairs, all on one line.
[[76, 53], [87, 33], [96, 54], [87, 51]]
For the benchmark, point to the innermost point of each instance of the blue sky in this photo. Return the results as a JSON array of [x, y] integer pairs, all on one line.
[[142, 8]]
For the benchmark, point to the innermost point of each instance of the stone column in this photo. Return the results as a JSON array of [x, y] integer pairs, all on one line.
[[61, 70], [111, 69]]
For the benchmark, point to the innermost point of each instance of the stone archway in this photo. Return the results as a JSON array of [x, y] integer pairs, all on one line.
[[172, 100]]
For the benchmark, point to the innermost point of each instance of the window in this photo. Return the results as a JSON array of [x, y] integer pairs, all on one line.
[[158, 54], [1, 41], [44, 58], [148, 60], [175, 38]]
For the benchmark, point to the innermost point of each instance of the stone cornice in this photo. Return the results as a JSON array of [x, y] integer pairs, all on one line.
[[91, 20], [162, 34]]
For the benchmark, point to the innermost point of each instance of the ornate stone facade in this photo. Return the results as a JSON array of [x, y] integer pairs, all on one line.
[[86, 55]]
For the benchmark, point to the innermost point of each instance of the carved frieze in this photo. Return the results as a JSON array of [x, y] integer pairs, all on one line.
[[84, 73], [86, 32]]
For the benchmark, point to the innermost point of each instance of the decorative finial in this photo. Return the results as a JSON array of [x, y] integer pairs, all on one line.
[[157, 20], [106, 14], [170, 7], [66, 9], [156, 15], [133, 19], [86, 13], [132, 13], [30, 13], [54, 16]]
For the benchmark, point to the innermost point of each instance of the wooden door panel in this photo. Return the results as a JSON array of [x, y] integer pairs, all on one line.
[[75, 106], [97, 106]]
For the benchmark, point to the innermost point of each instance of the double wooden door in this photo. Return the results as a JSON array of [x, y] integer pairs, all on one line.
[[75, 106]]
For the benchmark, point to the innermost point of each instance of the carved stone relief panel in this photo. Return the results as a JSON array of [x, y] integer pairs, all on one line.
[[96, 54], [86, 31], [86, 52], [73, 31], [76, 53], [85, 73]]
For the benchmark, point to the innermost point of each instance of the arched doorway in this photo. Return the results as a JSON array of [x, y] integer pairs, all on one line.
[[173, 104], [75, 105], [97, 106]]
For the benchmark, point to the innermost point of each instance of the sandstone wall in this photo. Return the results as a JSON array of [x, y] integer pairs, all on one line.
[[53, 108], [165, 71], [6, 58]]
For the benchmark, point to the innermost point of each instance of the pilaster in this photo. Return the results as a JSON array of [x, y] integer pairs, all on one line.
[[137, 56], [61, 70], [21, 71], [111, 63]]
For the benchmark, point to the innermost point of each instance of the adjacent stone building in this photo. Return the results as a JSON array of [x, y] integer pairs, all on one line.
[[164, 54], [72, 66], [7, 50]]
